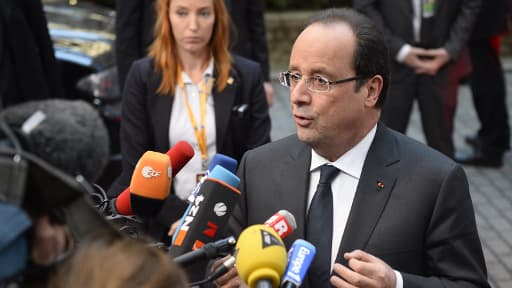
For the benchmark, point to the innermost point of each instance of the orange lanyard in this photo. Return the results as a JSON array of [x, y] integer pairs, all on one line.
[[199, 130]]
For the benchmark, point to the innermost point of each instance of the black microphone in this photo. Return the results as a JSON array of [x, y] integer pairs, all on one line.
[[208, 251], [208, 213]]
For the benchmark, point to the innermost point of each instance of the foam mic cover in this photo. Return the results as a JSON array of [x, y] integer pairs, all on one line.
[[225, 161], [179, 155], [300, 257], [208, 213], [150, 184], [282, 222], [260, 256], [218, 159]]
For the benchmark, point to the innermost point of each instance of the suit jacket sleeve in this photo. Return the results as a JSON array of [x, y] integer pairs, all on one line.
[[129, 15], [371, 9], [453, 254], [258, 37], [462, 27], [135, 130]]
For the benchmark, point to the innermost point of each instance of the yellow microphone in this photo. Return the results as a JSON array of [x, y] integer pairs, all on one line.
[[261, 256]]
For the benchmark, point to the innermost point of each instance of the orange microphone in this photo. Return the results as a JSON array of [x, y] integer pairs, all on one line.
[[177, 156]]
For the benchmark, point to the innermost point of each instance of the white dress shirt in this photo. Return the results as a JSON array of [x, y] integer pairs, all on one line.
[[416, 26], [344, 187]]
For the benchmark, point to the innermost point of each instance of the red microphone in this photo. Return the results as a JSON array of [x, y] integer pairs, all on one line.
[[282, 222], [179, 155]]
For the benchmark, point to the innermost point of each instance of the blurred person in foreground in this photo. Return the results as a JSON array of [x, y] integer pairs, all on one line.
[[124, 263], [394, 213], [190, 88], [60, 147]]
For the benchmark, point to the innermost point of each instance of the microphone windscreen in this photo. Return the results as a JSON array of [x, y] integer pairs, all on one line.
[[260, 254], [282, 222], [225, 161], [300, 256], [68, 134], [223, 174], [122, 205], [180, 154], [150, 184]]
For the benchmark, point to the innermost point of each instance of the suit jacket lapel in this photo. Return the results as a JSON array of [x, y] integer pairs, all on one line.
[[161, 114], [223, 103], [375, 186], [296, 168]]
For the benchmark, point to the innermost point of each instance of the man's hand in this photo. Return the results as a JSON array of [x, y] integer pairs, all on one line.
[[269, 93], [437, 58], [230, 279], [50, 240], [414, 58], [173, 228], [367, 271]]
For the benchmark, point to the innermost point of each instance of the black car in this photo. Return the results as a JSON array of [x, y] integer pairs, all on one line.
[[83, 39]]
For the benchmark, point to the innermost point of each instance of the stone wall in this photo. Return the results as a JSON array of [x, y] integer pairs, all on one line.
[[282, 29]]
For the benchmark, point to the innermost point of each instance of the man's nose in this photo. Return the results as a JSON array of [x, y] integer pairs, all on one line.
[[299, 92]]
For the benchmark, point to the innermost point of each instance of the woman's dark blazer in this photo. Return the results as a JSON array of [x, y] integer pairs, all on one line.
[[241, 115]]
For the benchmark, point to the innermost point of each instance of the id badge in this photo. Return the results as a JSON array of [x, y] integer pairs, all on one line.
[[428, 8], [199, 176]]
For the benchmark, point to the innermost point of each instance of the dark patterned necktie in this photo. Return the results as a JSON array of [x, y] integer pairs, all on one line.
[[319, 227]]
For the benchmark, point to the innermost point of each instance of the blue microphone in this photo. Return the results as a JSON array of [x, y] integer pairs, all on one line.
[[300, 256], [218, 159]]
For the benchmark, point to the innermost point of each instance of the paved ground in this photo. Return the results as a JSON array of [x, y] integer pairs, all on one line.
[[491, 189]]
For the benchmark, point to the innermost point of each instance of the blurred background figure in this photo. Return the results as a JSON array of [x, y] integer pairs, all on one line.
[[28, 68], [190, 88], [425, 39], [122, 263], [50, 150], [488, 88], [135, 20]]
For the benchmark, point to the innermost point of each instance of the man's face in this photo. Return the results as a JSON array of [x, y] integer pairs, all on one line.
[[327, 121]]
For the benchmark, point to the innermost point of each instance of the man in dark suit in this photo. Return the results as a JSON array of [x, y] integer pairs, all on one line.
[[488, 88], [402, 215], [134, 33], [28, 68], [425, 38]]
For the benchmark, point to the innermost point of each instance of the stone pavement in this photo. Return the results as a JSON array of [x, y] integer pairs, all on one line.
[[491, 189]]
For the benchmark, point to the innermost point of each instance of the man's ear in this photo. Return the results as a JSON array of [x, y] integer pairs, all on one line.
[[374, 88]]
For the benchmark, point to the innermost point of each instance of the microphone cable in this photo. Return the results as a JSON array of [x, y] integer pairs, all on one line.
[[221, 270]]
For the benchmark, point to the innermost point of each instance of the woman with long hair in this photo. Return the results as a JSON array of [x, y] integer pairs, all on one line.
[[190, 88]]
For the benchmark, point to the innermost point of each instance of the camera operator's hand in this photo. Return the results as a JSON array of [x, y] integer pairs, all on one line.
[[50, 240]]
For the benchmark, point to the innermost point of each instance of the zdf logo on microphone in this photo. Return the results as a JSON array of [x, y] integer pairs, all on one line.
[[149, 172]]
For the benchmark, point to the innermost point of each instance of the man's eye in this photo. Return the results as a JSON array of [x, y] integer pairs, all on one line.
[[321, 81], [295, 77]]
